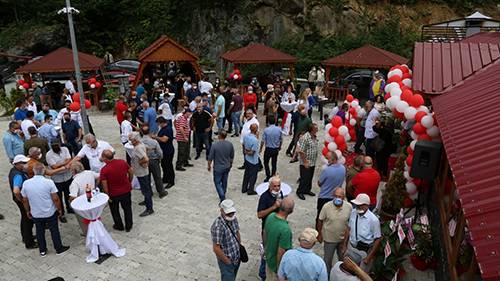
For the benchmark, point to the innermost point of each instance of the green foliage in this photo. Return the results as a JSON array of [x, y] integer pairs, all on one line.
[[8, 102], [423, 242], [395, 189]]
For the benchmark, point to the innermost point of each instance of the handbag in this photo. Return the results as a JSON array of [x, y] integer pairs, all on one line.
[[243, 251], [378, 144]]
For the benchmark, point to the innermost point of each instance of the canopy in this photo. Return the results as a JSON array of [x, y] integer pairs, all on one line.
[[61, 60], [256, 53], [367, 56]]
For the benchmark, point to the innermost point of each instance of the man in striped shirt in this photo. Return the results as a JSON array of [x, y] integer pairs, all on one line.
[[182, 132]]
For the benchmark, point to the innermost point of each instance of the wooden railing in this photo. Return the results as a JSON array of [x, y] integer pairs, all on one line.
[[449, 33]]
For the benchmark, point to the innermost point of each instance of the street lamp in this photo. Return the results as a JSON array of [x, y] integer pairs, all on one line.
[[83, 111]]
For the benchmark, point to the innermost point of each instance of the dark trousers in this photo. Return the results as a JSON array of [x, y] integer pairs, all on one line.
[[182, 153], [319, 206], [270, 154], [51, 224], [63, 187], [168, 168], [291, 146], [306, 176], [73, 147], [229, 121], [249, 177], [382, 162], [26, 226], [155, 172], [360, 138], [127, 157], [126, 202], [145, 183], [202, 139], [369, 150]]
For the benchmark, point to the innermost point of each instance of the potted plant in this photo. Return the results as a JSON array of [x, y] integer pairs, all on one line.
[[423, 256], [465, 256], [395, 193]]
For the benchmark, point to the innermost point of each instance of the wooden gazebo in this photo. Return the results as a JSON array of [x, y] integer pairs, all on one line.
[[164, 50]]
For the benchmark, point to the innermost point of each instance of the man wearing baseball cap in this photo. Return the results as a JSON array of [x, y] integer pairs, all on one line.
[[363, 233], [302, 263]]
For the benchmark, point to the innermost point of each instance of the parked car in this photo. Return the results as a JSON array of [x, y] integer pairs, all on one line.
[[127, 65], [359, 83]]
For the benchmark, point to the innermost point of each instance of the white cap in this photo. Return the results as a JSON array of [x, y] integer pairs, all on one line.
[[20, 159], [227, 206], [361, 199]]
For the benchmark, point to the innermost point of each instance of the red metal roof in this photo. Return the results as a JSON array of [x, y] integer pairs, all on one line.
[[438, 66], [483, 37], [257, 53], [367, 56], [61, 60], [470, 134], [172, 51]]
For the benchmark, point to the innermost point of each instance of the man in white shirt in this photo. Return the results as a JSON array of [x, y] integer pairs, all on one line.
[[245, 129], [74, 115], [370, 134], [28, 122], [31, 105], [205, 86], [70, 86], [165, 110], [93, 150], [81, 179], [187, 84], [58, 157], [194, 103]]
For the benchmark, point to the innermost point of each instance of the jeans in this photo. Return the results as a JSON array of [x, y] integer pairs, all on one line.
[[73, 147], [182, 153], [262, 268], [229, 120], [126, 202], [220, 181], [63, 187], [235, 117], [249, 177], [369, 150], [26, 226], [155, 171], [202, 139], [220, 123], [168, 168], [306, 177], [228, 271], [145, 183], [270, 154], [329, 249], [51, 223]]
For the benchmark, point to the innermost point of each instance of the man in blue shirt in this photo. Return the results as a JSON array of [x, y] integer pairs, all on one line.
[[219, 109], [272, 140], [302, 263], [251, 147], [47, 130], [13, 143], [20, 113], [331, 177], [150, 117], [40, 116], [165, 138]]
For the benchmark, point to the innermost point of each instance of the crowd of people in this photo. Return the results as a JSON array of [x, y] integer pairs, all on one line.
[[54, 162]]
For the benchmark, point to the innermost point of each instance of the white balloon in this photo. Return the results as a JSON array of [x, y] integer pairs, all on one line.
[[407, 82], [236, 77], [354, 103], [413, 135], [352, 121], [328, 127], [21, 87], [402, 106], [411, 188], [347, 137], [343, 130], [414, 196], [339, 153], [423, 108], [341, 160], [410, 113], [387, 88], [361, 112], [389, 103], [412, 144], [406, 174], [396, 72], [427, 121], [92, 86], [396, 91], [323, 159], [328, 138], [433, 131], [332, 146]]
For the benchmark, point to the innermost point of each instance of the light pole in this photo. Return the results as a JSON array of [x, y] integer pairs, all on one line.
[[83, 111]]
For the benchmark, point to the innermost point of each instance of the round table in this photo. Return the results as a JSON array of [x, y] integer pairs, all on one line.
[[285, 188], [98, 240]]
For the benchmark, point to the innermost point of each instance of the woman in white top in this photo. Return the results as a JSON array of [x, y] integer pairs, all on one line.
[[81, 178], [303, 98], [379, 103]]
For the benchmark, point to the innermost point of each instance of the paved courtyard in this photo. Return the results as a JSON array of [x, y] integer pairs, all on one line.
[[172, 244]]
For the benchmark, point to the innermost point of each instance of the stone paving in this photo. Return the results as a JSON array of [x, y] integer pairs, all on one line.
[[172, 244]]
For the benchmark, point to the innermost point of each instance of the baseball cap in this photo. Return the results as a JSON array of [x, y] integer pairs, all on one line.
[[361, 199], [308, 235], [20, 159], [227, 206]]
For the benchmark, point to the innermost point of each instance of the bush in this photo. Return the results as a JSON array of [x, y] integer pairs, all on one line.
[[8, 102]]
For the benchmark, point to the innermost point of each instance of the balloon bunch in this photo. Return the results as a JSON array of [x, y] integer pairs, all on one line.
[[75, 105], [236, 75], [93, 83], [23, 85]]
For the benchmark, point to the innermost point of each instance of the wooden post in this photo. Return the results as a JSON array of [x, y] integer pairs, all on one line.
[[138, 77]]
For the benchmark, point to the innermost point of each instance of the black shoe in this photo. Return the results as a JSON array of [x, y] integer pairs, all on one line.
[[1, 217], [63, 219], [31, 246], [169, 185], [180, 169], [241, 168], [188, 165], [117, 227], [252, 193], [146, 213], [244, 191], [289, 154], [62, 250], [294, 160], [43, 254], [143, 203], [128, 229], [70, 211], [310, 193], [234, 135], [163, 194], [301, 196], [266, 180], [197, 157]]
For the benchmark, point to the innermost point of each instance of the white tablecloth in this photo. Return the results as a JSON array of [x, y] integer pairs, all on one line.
[[285, 188], [98, 238], [286, 124]]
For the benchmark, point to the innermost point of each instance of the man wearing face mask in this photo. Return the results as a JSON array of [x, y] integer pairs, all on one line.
[[93, 149], [72, 134], [363, 234], [226, 240], [59, 157], [40, 116], [300, 126], [331, 178], [333, 226], [12, 141], [193, 92]]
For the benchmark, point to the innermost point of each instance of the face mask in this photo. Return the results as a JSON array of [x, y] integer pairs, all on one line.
[[275, 193], [337, 202], [66, 119], [25, 166], [230, 218], [360, 211], [56, 149], [17, 131], [45, 111]]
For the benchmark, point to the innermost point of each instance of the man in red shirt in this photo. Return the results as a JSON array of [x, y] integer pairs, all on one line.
[[116, 177], [120, 108], [250, 99], [182, 132], [367, 181]]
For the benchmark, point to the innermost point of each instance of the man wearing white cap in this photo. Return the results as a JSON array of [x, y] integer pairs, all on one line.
[[226, 240], [363, 233], [302, 264]]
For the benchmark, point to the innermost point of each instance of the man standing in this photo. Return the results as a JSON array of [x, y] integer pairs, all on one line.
[[27, 123], [367, 181], [236, 107], [302, 263], [308, 153], [115, 177], [360, 129], [125, 129], [302, 125], [182, 132], [140, 164], [363, 233], [40, 116], [81, 179], [272, 140], [72, 134], [59, 157], [332, 226], [202, 125], [12, 141], [165, 138], [278, 237], [93, 149], [226, 240], [150, 117], [120, 108], [251, 147], [245, 130], [17, 176], [332, 177], [41, 202], [36, 141], [47, 130], [155, 154], [220, 111], [221, 155], [370, 134], [356, 168]]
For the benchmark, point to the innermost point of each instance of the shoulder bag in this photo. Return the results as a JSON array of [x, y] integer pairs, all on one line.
[[243, 251]]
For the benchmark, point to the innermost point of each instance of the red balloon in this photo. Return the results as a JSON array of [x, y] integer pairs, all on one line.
[[419, 129], [394, 78], [352, 133], [424, 136], [409, 160], [349, 98], [92, 81], [237, 71], [74, 106], [26, 85], [406, 95], [398, 114], [343, 147], [339, 140], [406, 76], [416, 100], [325, 151], [20, 82], [395, 67], [87, 104], [97, 85], [352, 110], [76, 97], [404, 69], [333, 132], [336, 121], [419, 115], [387, 96], [409, 150], [325, 143], [408, 202]]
